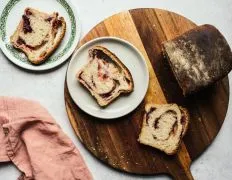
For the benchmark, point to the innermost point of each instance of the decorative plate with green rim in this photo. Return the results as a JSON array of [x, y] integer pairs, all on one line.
[[11, 16]]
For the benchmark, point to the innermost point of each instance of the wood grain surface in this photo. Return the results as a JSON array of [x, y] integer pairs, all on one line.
[[115, 142]]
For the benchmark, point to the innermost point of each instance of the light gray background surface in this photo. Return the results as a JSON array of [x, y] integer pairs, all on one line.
[[47, 88]]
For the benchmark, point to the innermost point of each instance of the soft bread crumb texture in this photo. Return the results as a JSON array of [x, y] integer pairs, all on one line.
[[164, 127], [198, 58], [38, 34], [105, 76]]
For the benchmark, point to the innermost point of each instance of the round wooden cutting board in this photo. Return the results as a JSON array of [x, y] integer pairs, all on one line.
[[115, 142]]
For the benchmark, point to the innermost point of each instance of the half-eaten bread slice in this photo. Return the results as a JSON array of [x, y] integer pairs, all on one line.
[[105, 76], [38, 34], [164, 127]]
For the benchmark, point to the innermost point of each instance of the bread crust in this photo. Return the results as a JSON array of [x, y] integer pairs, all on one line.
[[115, 58], [185, 112], [49, 51]]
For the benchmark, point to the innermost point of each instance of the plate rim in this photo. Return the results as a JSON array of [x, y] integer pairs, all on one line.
[[130, 45], [52, 65]]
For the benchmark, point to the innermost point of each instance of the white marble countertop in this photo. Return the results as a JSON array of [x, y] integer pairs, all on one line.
[[47, 88]]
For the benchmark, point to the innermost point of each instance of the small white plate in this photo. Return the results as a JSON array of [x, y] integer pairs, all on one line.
[[11, 16], [134, 61]]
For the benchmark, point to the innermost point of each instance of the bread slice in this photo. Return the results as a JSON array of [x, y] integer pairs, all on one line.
[[198, 58], [105, 76], [164, 127], [38, 34]]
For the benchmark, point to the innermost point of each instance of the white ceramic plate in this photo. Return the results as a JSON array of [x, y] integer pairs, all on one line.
[[11, 16], [133, 60]]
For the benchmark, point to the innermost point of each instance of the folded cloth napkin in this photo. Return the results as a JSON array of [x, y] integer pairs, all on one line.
[[31, 139]]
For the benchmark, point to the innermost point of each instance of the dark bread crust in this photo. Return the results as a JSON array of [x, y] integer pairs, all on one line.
[[198, 58], [185, 116], [55, 46]]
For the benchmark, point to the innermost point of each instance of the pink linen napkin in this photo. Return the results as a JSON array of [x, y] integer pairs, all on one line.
[[31, 139]]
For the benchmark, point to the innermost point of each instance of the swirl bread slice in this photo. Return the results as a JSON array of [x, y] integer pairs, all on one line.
[[164, 127], [38, 34], [105, 76]]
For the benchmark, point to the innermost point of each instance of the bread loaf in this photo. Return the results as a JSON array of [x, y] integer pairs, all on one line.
[[198, 58]]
